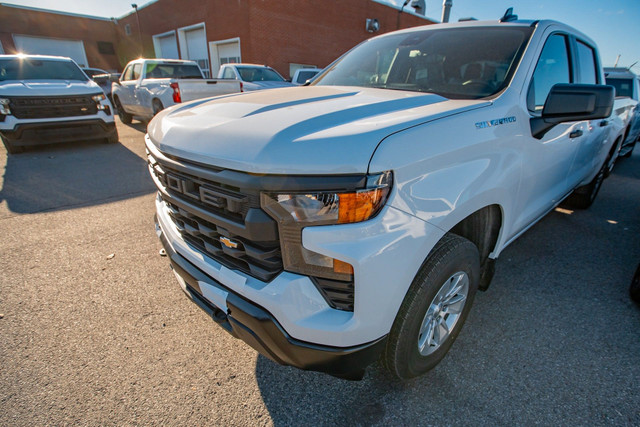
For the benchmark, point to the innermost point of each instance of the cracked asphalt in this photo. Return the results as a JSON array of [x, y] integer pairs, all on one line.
[[89, 338]]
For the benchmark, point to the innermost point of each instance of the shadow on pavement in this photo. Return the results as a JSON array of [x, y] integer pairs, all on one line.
[[63, 176]]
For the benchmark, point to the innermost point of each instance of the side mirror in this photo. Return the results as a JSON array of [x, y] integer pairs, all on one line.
[[114, 78], [571, 103]]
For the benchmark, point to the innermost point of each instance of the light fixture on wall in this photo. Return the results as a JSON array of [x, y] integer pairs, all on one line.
[[372, 25]]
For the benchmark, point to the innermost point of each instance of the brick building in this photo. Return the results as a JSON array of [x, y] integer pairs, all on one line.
[[284, 34]]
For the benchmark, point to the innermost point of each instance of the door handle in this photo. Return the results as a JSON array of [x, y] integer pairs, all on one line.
[[604, 123], [575, 133]]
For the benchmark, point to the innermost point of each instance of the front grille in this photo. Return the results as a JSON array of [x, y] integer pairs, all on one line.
[[52, 107], [224, 223]]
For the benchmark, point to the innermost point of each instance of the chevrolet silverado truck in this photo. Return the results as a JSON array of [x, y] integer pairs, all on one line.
[[626, 106], [147, 86], [48, 99], [253, 76], [355, 218]]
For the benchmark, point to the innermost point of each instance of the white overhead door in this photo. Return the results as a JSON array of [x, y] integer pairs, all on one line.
[[224, 52], [73, 49], [196, 47], [166, 46]]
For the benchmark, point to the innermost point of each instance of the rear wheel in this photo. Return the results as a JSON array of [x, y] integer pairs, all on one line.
[[583, 197], [628, 153], [434, 309], [125, 117], [157, 106]]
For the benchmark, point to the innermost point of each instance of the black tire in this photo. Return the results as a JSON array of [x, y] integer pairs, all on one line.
[[634, 289], [157, 106], [452, 256], [125, 117], [628, 153], [12, 149], [583, 197], [113, 139]]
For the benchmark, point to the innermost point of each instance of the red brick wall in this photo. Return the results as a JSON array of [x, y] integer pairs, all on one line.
[[271, 32], [43, 24]]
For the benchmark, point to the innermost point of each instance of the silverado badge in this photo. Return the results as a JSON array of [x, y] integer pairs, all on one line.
[[228, 243]]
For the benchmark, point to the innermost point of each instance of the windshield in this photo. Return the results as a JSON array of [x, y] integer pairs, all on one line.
[[39, 69], [254, 74], [465, 63], [624, 87], [156, 70]]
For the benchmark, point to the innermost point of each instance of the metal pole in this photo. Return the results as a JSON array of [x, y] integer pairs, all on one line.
[[617, 59], [446, 9], [135, 6]]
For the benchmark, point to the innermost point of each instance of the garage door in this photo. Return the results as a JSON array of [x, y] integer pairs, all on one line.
[[196, 48], [166, 46], [224, 52], [73, 49]]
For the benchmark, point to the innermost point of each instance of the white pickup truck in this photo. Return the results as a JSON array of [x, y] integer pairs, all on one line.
[[147, 86], [253, 76], [48, 99], [356, 217]]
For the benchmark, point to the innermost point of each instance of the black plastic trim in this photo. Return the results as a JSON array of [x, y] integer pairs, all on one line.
[[258, 328]]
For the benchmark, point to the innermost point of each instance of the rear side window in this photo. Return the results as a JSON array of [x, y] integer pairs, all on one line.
[[126, 74], [136, 71], [228, 74], [552, 68], [624, 87], [587, 64]]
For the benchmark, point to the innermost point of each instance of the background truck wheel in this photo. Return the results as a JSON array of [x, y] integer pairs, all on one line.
[[630, 152], [12, 149], [157, 106], [125, 117], [634, 289], [113, 139], [583, 197], [434, 309]]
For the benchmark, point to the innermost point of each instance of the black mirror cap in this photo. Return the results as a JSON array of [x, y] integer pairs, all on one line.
[[573, 102]]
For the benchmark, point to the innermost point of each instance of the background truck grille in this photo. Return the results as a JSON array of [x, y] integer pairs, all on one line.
[[52, 107], [223, 222]]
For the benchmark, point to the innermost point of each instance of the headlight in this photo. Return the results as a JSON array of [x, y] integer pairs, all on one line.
[[294, 211], [4, 106], [98, 100], [99, 97]]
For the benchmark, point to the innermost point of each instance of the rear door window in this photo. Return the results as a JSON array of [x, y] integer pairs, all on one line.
[[587, 64], [136, 71]]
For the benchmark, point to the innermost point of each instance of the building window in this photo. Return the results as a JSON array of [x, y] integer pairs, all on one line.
[[106, 48], [127, 29]]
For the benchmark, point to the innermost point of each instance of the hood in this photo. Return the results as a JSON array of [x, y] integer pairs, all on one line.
[[301, 130], [48, 88]]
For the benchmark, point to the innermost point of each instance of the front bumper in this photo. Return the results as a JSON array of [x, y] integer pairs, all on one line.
[[258, 328], [25, 134]]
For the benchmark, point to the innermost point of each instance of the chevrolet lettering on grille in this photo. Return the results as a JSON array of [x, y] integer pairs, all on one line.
[[204, 194]]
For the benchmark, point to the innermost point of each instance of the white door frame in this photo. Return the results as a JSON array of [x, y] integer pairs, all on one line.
[[84, 52], [182, 39], [213, 53]]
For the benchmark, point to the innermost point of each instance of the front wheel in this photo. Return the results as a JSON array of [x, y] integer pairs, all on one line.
[[125, 117], [434, 309]]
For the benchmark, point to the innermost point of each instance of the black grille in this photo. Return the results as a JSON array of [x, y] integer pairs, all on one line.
[[222, 222], [52, 107]]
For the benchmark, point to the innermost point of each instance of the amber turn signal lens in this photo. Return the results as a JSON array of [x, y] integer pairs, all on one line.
[[360, 206], [342, 267]]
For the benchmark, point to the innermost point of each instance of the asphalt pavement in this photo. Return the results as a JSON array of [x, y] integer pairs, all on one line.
[[95, 330]]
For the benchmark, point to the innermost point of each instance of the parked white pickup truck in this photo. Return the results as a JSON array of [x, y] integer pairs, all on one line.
[[356, 217], [48, 99], [147, 86], [253, 76]]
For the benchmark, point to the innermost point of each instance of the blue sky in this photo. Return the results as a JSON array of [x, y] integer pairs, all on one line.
[[613, 24]]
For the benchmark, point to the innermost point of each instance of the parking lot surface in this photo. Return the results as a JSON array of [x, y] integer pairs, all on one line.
[[95, 330]]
